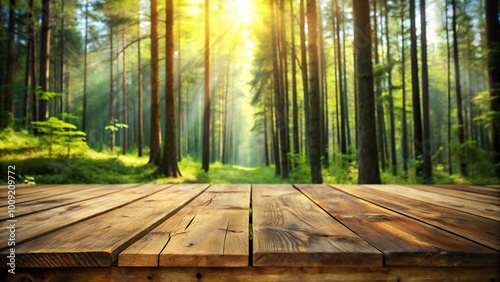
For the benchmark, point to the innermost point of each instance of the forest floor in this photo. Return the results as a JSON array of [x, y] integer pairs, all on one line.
[[33, 165]]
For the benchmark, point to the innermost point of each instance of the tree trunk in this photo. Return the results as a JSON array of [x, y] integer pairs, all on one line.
[[415, 89], [278, 93], [206, 112], [85, 56], [323, 90], [379, 101], [493, 42], [348, 128], [44, 59], [266, 147], [296, 148], [314, 95], [179, 90], [275, 134], [34, 95], [28, 78], [367, 149], [169, 163], [281, 35], [404, 140], [458, 89], [3, 59], [140, 125], [155, 139], [448, 89], [62, 64], [11, 54], [343, 134], [394, 163], [426, 141], [111, 87], [305, 77], [124, 90]]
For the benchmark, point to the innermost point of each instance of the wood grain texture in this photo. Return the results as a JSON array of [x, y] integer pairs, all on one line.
[[475, 228], [212, 231], [254, 274], [485, 190], [25, 188], [25, 208], [290, 230], [473, 196], [37, 192], [45, 222], [403, 240], [482, 209], [98, 240]]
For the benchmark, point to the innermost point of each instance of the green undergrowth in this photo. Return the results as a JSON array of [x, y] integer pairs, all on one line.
[[34, 165]]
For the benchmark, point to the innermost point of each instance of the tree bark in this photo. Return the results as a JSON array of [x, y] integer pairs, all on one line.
[[44, 59], [180, 120], [34, 95], [295, 121], [404, 140], [278, 84], [426, 141], [168, 166], [305, 76], [140, 126], [367, 149], [124, 91], [85, 56], [378, 89], [415, 89], [206, 112], [314, 95], [394, 163], [155, 141], [28, 78], [458, 89], [493, 42], [11, 54], [343, 120], [448, 89]]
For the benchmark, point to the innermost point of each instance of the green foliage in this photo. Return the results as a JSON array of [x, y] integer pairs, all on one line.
[[32, 165], [5, 120], [55, 131], [46, 95], [114, 125]]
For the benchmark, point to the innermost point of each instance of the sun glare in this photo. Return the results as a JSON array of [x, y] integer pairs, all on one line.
[[242, 9]]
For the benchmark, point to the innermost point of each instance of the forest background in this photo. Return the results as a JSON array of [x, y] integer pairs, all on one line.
[[250, 91]]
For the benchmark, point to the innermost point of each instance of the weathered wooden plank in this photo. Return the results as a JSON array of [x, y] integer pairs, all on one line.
[[254, 274], [290, 230], [402, 240], [482, 209], [485, 190], [23, 187], [26, 190], [98, 240], [456, 193], [25, 208], [479, 229], [41, 192], [45, 222], [212, 231]]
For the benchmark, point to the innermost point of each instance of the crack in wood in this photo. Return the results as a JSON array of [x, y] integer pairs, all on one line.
[[208, 202], [189, 223], [225, 237], [168, 241]]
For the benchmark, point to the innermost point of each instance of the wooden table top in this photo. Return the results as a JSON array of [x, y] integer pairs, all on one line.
[[201, 225]]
